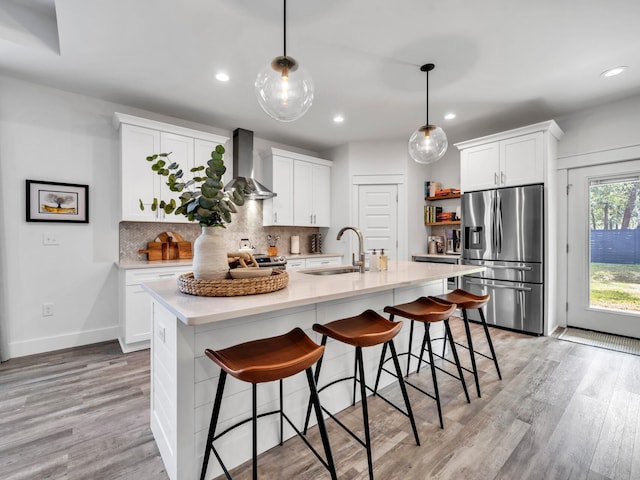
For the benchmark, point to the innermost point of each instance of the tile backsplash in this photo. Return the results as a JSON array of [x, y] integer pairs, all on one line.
[[247, 223]]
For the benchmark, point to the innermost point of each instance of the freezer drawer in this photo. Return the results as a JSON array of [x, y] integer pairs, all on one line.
[[514, 305]]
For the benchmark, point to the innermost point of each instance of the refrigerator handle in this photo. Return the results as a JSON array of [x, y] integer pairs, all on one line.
[[493, 223], [499, 223]]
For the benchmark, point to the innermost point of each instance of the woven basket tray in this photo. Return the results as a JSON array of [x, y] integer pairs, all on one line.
[[232, 288]]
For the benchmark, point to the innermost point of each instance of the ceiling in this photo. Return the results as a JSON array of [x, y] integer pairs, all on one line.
[[499, 64]]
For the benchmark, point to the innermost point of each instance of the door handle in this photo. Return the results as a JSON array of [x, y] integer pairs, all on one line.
[[502, 178], [275, 217], [495, 178], [501, 267], [504, 287]]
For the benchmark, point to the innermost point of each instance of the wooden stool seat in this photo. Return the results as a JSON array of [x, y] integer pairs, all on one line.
[[364, 330], [423, 309], [463, 299], [268, 359], [469, 301]]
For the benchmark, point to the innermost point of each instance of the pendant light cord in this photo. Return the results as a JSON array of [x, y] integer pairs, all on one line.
[[285, 28], [427, 97]]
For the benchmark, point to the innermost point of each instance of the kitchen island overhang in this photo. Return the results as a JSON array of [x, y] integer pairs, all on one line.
[[183, 380]]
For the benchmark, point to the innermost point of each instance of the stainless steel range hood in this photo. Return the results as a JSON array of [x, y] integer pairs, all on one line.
[[243, 165]]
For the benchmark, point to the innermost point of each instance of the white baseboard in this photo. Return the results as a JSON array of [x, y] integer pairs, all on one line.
[[59, 342]]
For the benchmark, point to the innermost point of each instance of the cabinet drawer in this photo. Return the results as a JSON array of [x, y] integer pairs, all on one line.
[[138, 276], [323, 262]]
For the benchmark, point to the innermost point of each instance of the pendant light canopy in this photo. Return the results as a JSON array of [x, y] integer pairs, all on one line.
[[284, 88], [429, 143]]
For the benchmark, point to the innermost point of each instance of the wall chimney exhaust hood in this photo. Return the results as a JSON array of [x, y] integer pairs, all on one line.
[[243, 165]]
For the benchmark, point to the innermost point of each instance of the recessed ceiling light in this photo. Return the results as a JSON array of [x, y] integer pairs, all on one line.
[[222, 77], [450, 116], [612, 72], [338, 119]]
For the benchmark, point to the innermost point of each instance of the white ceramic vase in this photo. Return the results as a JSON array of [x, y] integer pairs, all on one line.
[[210, 255]]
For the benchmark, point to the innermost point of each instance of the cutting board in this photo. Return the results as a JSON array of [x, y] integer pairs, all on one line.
[[168, 246]]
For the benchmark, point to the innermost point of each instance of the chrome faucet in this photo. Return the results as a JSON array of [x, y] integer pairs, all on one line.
[[359, 263]]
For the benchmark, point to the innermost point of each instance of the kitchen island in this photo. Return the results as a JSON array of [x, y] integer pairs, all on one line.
[[183, 380]]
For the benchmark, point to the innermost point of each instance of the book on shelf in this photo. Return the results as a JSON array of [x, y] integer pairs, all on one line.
[[443, 192], [430, 188], [431, 213]]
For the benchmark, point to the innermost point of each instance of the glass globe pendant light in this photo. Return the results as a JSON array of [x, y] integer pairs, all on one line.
[[284, 89], [428, 143]]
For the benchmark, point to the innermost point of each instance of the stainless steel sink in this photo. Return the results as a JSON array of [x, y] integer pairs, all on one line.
[[332, 270]]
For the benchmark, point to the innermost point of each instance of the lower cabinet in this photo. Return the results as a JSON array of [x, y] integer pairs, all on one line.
[[135, 304], [294, 264]]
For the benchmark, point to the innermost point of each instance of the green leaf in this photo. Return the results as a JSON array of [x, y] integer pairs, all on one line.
[[155, 167], [141, 204], [208, 190], [220, 149], [173, 166], [154, 205], [161, 163], [206, 203], [198, 168], [151, 158]]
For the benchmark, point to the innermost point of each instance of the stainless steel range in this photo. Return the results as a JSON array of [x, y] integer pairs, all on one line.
[[265, 261]]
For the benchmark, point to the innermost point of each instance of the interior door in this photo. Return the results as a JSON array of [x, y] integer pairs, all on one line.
[[603, 289], [378, 218]]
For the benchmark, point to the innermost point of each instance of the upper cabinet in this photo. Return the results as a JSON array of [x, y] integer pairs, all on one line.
[[516, 157], [303, 187], [140, 138]]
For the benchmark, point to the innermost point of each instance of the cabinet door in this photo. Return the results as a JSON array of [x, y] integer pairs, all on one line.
[[182, 152], [522, 160], [137, 326], [303, 193], [480, 167], [321, 196], [138, 182], [279, 209]]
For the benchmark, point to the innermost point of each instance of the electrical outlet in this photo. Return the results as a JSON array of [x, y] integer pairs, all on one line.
[[49, 238], [47, 309]]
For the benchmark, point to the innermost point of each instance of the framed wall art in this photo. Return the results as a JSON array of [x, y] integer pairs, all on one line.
[[57, 202]]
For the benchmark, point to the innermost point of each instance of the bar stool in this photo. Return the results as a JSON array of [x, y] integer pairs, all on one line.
[[468, 301], [427, 311], [364, 330], [267, 360]]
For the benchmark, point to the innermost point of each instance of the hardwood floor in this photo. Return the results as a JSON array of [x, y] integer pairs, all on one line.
[[562, 411]]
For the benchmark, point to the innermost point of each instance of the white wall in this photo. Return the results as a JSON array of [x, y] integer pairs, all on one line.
[[48, 134], [601, 135], [380, 158]]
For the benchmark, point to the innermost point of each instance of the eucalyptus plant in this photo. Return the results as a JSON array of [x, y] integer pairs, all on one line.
[[203, 197]]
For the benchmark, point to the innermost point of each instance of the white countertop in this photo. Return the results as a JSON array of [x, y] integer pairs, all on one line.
[[303, 289], [436, 255]]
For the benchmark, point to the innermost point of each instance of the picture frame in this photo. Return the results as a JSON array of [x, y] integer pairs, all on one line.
[[57, 202]]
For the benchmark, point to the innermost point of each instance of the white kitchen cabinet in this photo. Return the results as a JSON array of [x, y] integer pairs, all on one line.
[[311, 190], [303, 187], [278, 177], [140, 138], [315, 262], [135, 304], [518, 159]]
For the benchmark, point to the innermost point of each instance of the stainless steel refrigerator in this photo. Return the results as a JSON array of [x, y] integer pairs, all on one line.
[[503, 229]]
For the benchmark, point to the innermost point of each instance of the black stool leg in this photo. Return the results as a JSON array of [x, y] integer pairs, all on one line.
[[281, 414], [384, 354], [486, 332], [214, 420], [365, 411], [457, 360], [403, 388], [472, 354], [422, 349], [254, 429], [427, 337], [355, 376], [316, 376], [410, 346], [321, 425]]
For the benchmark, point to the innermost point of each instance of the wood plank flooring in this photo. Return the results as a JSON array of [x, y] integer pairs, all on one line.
[[562, 411]]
